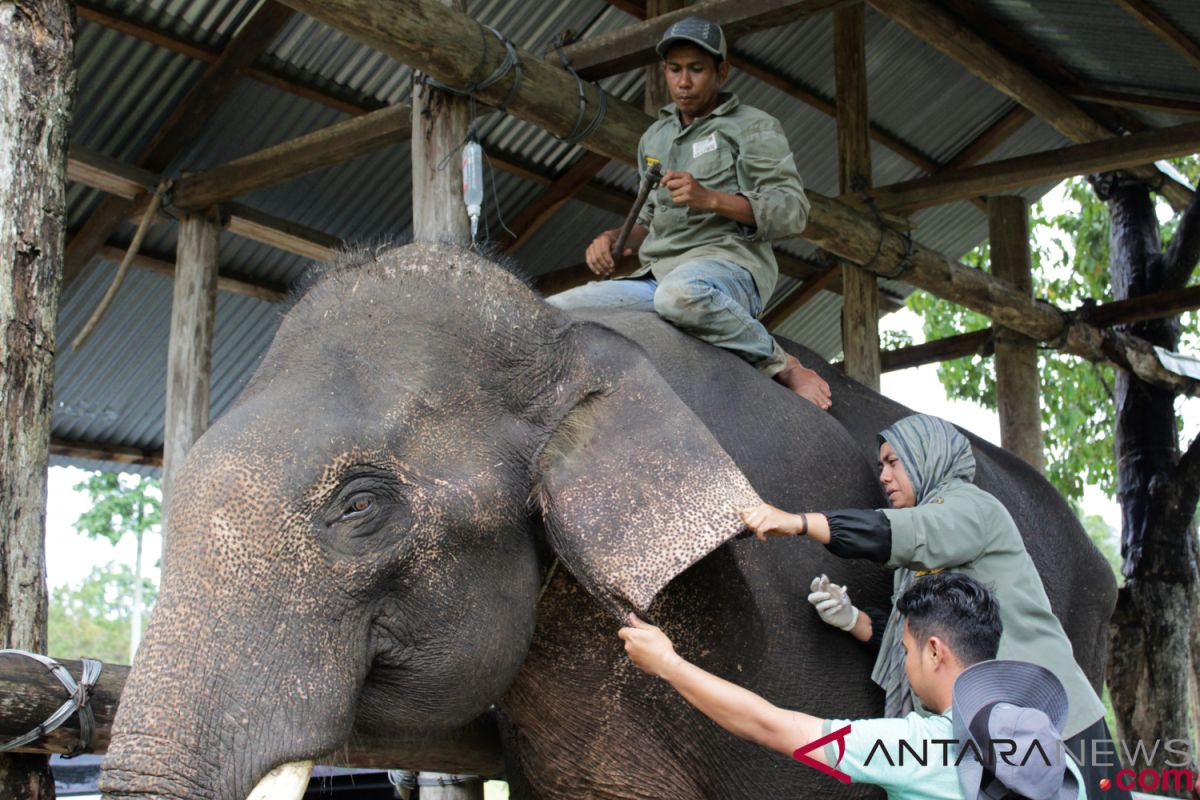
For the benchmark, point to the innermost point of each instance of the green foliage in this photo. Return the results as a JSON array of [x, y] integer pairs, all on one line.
[[1070, 265], [121, 504], [1106, 541], [93, 618]]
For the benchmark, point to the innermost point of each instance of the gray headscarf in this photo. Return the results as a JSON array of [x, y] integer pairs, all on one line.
[[935, 456]]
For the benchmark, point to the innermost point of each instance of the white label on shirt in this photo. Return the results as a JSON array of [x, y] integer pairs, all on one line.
[[706, 145]]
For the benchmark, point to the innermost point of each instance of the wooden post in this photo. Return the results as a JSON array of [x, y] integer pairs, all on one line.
[[37, 80], [1018, 388], [860, 292], [657, 95], [439, 126], [189, 355]]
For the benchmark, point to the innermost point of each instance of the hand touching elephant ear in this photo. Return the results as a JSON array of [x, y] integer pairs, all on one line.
[[633, 487]]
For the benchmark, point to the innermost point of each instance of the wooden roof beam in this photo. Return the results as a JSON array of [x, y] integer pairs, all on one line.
[[959, 42], [1120, 312], [546, 205], [166, 266], [445, 44], [126, 181], [1163, 28], [181, 128], [983, 144], [633, 46], [291, 159], [1138, 100], [830, 279], [1051, 165], [112, 453]]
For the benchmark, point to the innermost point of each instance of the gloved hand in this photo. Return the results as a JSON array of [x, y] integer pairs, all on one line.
[[832, 603]]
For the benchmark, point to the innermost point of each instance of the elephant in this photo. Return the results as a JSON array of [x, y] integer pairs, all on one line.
[[438, 497]]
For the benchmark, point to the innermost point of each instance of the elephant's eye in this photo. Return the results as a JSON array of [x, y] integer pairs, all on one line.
[[357, 506]]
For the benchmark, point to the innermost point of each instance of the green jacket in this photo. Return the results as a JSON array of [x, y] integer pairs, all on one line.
[[735, 149], [965, 529]]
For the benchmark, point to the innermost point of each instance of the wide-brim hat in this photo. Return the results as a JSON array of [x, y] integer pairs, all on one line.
[[698, 31], [1019, 703]]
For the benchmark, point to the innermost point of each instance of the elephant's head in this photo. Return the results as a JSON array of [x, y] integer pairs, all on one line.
[[365, 534]]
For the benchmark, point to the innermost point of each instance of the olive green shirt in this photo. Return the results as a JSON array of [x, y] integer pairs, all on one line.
[[967, 530], [735, 149]]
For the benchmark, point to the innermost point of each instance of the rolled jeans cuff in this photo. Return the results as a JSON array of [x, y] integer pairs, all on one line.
[[775, 363]]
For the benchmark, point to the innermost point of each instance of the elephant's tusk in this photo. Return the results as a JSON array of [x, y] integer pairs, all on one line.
[[285, 782]]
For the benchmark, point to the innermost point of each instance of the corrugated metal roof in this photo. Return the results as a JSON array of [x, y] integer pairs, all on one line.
[[112, 392]]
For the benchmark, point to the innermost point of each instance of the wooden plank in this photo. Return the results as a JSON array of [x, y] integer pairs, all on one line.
[[633, 46], [829, 280], [958, 41], [108, 174], [1018, 381], [1163, 28], [189, 352], [1138, 100], [280, 233], [182, 127], [291, 159], [546, 205], [937, 351], [1001, 131], [860, 291], [157, 264], [1050, 165], [113, 454], [330, 95]]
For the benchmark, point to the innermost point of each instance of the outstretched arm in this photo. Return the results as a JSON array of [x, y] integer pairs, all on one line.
[[737, 710]]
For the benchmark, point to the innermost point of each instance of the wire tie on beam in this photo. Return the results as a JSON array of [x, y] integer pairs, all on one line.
[[79, 697], [510, 62], [884, 229], [580, 130]]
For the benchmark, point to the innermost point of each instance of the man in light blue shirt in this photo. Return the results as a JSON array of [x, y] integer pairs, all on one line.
[[1010, 740]]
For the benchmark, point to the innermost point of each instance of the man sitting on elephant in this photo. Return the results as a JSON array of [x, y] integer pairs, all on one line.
[[704, 236], [939, 520], [952, 623]]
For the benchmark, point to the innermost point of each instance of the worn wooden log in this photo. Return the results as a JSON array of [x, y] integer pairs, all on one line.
[[189, 352], [291, 159], [1015, 173], [37, 82], [1018, 380], [29, 694], [860, 289]]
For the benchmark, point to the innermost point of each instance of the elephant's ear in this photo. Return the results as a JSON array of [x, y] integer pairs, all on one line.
[[633, 487]]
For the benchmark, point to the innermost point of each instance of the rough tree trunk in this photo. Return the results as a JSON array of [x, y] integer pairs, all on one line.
[[37, 81], [1150, 661]]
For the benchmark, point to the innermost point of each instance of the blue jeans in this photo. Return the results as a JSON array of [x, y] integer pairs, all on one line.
[[715, 301]]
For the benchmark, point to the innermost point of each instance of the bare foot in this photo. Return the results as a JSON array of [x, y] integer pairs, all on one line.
[[806, 383]]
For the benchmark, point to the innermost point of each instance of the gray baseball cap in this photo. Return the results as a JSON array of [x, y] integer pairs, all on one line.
[[698, 31], [1001, 705]]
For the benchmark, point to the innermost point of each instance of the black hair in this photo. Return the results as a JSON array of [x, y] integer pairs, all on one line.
[[957, 609]]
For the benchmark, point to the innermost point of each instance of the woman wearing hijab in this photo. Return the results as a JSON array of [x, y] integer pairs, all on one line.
[[939, 520]]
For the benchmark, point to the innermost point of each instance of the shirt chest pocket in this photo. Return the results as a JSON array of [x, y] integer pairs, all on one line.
[[715, 170]]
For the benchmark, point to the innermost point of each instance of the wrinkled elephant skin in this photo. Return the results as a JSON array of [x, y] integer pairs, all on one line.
[[437, 496]]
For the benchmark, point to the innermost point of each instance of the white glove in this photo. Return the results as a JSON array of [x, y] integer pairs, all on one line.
[[833, 603]]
